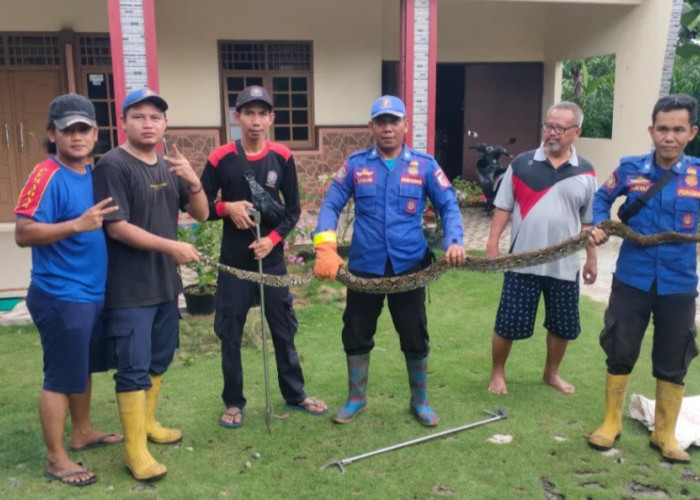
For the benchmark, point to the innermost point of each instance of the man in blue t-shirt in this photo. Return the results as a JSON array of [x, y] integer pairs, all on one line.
[[57, 216], [660, 280]]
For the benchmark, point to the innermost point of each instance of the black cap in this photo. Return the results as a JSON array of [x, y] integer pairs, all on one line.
[[68, 109], [252, 94]]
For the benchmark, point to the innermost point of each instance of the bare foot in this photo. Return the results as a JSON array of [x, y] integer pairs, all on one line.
[[558, 383], [93, 439], [498, 383]]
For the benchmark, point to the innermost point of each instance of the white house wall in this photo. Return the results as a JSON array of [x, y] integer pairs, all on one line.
[[637, 36], [346, 52], [54, 15], [351, 38], [551, 32]]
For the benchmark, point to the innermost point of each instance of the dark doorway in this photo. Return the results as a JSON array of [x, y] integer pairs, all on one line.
[[502, 100], [390, 78], [449, 118]]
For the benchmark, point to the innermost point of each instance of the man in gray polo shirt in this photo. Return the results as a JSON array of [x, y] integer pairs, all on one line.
[[549, 194]]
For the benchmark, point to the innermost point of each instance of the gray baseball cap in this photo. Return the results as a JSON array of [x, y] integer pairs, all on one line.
[[69, 109]]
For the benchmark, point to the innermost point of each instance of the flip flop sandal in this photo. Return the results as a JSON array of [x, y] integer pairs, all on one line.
[[98, 443], [234, 413], [65, 475], [305, 405]]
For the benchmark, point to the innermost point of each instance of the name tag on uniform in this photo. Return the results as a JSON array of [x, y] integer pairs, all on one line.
[[638, 184], [415, 181], [365, 175], [688, 192]]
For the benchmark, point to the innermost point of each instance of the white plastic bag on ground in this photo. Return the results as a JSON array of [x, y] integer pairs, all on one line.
[[688, 426]]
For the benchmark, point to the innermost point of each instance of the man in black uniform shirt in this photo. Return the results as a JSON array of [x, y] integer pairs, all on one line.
[[271, 166]]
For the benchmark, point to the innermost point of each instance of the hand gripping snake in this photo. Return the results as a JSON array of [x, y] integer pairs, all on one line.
[[406, 282]]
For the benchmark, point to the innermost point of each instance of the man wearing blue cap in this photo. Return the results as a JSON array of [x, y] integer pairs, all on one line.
[[142, 279], [390, 184]]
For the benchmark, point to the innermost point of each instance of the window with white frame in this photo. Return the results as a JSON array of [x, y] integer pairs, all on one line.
[[284, 69]]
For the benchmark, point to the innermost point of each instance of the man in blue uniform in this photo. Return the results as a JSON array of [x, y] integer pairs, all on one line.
[[659, 280], [390, 184]]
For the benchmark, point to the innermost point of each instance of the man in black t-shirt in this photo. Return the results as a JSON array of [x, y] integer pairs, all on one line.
[[142, 281], [272, 167]]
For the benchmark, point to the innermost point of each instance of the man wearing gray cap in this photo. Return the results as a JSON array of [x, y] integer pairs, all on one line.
[[242, 170], [142, 279], [57, 216]]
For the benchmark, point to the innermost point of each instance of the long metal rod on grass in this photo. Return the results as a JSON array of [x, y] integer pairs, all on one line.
[[499, 414]]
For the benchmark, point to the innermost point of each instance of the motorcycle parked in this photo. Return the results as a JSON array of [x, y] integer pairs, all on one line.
[[489, 168]]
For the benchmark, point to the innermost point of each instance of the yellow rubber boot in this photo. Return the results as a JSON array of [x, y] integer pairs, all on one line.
[[156, 432], [132, 411], [669, 397], [615, 390]]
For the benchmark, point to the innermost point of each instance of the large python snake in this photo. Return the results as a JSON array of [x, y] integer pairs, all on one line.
[[406, 282]]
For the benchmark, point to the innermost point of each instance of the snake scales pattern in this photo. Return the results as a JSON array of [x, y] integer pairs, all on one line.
[[403, 283]]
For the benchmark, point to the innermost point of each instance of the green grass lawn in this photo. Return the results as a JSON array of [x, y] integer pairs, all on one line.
[[548, 457]]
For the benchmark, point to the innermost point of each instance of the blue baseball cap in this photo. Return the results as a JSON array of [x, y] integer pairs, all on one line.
[[143, 95], [388, 105]]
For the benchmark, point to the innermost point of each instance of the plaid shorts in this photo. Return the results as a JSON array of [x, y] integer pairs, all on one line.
[[520, 298]]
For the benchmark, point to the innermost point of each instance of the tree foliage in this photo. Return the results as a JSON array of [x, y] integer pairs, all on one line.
[[687, 35], [590, 83], [686, 67], [686, 80]]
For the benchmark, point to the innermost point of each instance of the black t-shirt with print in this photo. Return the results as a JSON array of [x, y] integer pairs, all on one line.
[[150, 197]]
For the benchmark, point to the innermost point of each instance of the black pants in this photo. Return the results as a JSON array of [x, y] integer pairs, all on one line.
[[626, 321], [407, 313], [234, 297]]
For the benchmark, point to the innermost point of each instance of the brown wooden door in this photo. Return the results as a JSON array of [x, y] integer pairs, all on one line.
[[501, 100], [8, 161], [24, 102]]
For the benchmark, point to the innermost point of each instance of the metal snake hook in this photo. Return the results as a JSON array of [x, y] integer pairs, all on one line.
[[498, 414], [269, 413]]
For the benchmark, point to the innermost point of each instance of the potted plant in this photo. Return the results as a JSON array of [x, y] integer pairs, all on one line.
[[206, 238]]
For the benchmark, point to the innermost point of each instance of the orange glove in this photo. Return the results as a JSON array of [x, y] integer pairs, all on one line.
[[328, 262]]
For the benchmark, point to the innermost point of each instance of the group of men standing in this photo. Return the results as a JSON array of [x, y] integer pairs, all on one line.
[[125, 286]]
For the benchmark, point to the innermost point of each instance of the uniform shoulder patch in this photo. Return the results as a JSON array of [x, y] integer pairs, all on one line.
[[35, 187], [341, 174], [611, 183], [442, 181]]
